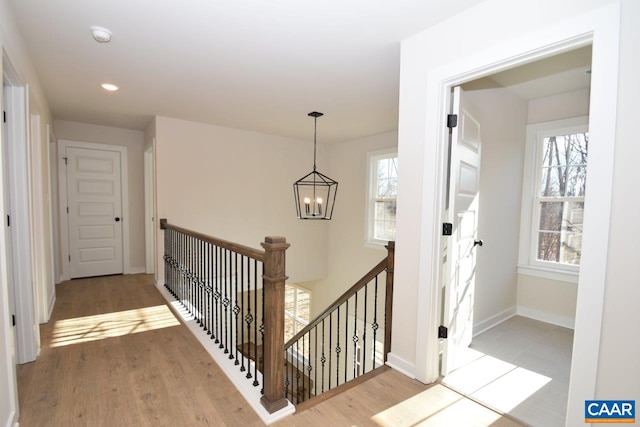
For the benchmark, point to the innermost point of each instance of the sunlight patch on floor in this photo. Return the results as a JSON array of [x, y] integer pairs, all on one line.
[[109, 325], [436, 406], [497, 383]]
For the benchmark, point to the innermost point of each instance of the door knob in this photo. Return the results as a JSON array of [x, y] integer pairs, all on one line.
[[478, 243], [118, 220]]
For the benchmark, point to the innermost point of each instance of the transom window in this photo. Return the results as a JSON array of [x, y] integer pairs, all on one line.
[[553, 196], [383, 189]]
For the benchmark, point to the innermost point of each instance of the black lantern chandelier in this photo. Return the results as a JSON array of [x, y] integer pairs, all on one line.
[[315, 193]]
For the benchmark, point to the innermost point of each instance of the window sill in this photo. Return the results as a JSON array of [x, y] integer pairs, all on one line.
[[548, 273], [376, 245]]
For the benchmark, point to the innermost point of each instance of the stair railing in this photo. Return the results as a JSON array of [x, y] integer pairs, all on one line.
[[225, 286], [345, 341]]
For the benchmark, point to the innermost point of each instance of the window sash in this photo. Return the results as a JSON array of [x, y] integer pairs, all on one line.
[[380, 229], [539, 199]]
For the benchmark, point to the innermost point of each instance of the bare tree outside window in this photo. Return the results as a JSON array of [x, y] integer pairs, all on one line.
[[561, 198], [385, 198]]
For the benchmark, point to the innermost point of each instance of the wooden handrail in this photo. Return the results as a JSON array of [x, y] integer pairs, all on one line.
[[382, 265], [253, 253], [273, 259]]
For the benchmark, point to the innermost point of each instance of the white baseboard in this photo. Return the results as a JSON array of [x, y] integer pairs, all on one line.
[[137, 270], [543, 316], [251, 394], [401, 365], [494, 321]]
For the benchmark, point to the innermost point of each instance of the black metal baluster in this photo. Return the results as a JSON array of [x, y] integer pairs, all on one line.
[[315, 363], [364, 332], [209, 291], [286, 375], [249, 318], [355, 337], [330, 346], [323, 359], [374, 326], [346, 339], [338, 349], [236, 307], [262, 328], [225, 302], [189, 276], [201, 283], [216, 295], [255, 328], [242, 368], [297, 388], [309, 366]]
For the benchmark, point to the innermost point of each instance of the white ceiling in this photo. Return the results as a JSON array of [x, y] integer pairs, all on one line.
[[248, 64]]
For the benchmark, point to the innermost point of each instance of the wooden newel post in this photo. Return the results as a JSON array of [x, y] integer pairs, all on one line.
[[388, 311], [274, 279]]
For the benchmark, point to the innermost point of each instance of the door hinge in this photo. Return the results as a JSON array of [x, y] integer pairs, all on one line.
[[452, 120], [65, 160], [67, 209], [69, 258], [442, 331], [13, 320], [8, 221], [447, 229], [4, 116]]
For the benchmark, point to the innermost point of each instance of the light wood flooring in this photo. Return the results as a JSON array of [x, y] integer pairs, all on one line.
[[113, 356]]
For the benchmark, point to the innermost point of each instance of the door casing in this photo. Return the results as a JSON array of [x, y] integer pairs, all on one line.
[[600, 27], [62, 188]]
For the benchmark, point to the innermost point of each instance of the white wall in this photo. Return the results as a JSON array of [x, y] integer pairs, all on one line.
[[503, 125], [134, 141], [349, 258], [238, 186], [483, 36], [12, 45], [618, 367], [539, 298]]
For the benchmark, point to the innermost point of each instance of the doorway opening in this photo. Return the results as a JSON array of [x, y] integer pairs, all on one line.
[[510, 322]]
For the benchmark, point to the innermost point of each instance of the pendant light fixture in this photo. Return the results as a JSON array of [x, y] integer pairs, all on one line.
[[315, 193]]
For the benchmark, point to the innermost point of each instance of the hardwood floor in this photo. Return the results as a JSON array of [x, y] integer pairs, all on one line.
[[112, 355]]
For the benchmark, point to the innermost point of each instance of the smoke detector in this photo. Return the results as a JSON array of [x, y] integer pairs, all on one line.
[[100, 34]]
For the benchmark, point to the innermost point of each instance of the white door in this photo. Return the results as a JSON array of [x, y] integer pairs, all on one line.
[[463, 242], [94, 198]]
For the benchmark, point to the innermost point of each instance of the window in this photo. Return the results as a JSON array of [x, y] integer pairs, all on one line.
[[297, 304], [381, 203], [553, 198]]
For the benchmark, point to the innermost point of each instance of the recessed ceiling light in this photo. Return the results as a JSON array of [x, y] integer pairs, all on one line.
[[100, 34], [110, 87]]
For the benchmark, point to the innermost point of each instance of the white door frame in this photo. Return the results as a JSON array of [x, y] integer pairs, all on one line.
[[62, 185], [149, 208], [601, 27], [41, 253], [53, 204], [27, 330]]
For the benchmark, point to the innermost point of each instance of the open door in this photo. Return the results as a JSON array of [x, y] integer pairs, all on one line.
[[460, 264]]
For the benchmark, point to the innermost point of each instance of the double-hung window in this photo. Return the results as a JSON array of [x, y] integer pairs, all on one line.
[[297, 305], [381, 202], [553, 199]]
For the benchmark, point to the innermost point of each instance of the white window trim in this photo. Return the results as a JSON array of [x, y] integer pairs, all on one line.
[[373, 156], [527, 265], [295, 354]]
